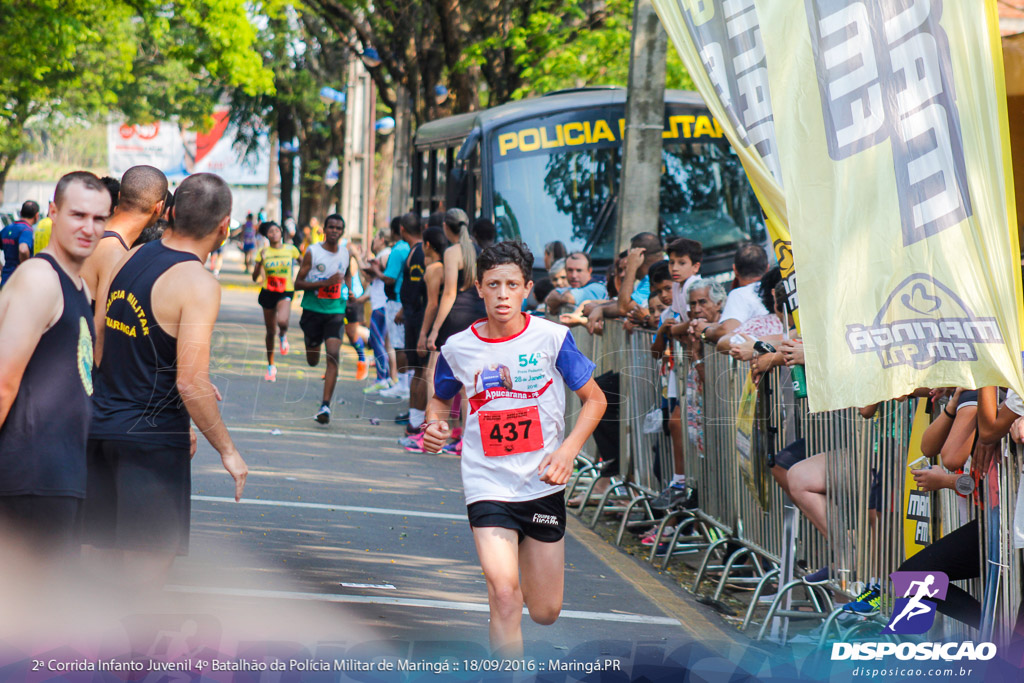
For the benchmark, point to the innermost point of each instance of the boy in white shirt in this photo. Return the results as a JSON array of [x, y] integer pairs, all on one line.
[[515, 457]]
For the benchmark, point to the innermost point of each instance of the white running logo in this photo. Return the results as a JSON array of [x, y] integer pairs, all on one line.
[[914, 607]]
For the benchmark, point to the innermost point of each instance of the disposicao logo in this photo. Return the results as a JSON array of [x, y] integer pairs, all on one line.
[[914, 614], [921, 323]]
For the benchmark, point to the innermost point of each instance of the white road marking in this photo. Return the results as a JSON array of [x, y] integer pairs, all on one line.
[[411, 602], [289, 432], [325, 506], [383, 586]]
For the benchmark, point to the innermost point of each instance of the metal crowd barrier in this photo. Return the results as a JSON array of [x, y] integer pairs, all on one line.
[[744, 530]]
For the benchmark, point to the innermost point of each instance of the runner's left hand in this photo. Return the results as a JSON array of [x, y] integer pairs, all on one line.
[[556, 467]]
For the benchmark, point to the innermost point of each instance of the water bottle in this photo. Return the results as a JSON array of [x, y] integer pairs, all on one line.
[[799, 381]]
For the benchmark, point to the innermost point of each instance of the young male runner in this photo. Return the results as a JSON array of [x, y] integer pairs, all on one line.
[[46, 335], [515, 461], [160, 308], [324, 269], [140, 203]]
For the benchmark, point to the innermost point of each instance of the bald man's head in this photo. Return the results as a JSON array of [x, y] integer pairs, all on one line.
[[142, 188]]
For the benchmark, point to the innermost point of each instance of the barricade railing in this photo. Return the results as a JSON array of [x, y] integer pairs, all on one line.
[[748, 532]]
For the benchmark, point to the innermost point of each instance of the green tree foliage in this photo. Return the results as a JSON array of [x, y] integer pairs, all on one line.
[[304, 55], [150, 59]]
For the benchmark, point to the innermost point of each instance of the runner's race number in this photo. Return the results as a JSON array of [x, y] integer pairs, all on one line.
[[509, 432], [276, 283], [329, 292]]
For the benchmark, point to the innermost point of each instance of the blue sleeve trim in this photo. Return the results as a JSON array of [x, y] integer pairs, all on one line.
[[575, 368], [395, 263], [445, 385], [642, 292]]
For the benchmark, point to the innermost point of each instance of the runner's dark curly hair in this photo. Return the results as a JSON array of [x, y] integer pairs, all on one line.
[[511, 252]]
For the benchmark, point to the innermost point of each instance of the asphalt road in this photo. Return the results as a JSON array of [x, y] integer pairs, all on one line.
[[344, 537]]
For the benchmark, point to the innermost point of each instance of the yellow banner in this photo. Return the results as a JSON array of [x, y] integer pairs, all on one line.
[[730, 74], [892, 146]]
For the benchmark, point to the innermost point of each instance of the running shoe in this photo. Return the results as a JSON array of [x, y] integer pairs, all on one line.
[[284, 345], [453, 448], [817, 578], [397, 391], [271, 375], [377, 386], [867, 603], [673, 495], [324, 414], [413, 444], [653, 534], [402, 418], [362, 370]]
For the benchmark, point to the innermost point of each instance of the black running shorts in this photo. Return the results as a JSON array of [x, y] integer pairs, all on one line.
[[138, 496], [318, 327], [46, 524], [354, 313], [269, 300], [542, 519]]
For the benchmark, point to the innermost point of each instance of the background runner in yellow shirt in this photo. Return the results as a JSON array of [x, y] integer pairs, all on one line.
[[41, 237], [275, 263]]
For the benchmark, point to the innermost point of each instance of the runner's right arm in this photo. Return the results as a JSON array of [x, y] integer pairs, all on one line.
[[304, 268], [30, 303], [258, 268], [438, 431]]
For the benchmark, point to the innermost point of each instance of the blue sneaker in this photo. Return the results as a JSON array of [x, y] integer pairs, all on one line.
[[867, 603], [816, 578]]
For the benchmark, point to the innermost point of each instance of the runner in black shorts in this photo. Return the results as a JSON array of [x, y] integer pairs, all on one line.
[[275, 264], [323, 273], [515, 457]]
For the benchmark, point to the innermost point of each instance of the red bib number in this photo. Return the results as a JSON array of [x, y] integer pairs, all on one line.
[[508, 432], [329, 292], [276, 283]]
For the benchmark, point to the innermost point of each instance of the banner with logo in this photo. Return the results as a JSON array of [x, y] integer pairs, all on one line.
[[178, 152], [891, 129], [720, 44]]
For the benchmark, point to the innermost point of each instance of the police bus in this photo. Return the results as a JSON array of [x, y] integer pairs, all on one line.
[[547, 168]]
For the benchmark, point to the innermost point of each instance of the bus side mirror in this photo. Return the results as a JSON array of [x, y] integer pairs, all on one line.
[[455, 196]]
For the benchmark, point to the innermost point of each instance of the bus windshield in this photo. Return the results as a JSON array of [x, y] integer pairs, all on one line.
[[570, 196]]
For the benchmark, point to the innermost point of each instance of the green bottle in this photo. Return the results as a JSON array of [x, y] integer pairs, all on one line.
[[799, 381]]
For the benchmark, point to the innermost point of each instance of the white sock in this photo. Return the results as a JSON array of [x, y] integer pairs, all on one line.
[[415, 417], [405, 379], [679, 479]]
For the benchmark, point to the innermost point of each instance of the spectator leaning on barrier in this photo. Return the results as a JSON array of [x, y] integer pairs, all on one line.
[[556, 274], [660, 292], [583, 286], [743, 302], [645, 249], [684, 258], [769, 328]]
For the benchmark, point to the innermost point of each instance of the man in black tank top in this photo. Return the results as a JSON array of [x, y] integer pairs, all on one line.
[[140, 203], [156, 321], [46, 374]]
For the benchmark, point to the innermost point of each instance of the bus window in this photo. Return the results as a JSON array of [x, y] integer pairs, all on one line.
[[705, 196], [557, 196], [440, 177]]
